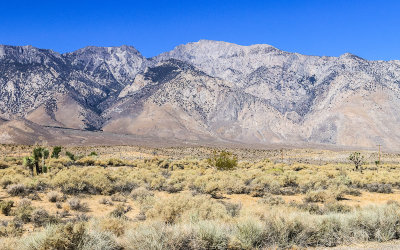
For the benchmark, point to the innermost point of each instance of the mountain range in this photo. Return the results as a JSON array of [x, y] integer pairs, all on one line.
[[201, 92]]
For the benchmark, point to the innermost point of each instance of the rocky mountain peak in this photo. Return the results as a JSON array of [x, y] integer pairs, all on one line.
[[206, 89]]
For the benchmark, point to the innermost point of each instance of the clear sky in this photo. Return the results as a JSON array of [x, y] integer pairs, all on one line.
[[370, 29]]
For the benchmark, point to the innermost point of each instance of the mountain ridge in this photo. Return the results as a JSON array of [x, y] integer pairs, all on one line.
[[206, 90]]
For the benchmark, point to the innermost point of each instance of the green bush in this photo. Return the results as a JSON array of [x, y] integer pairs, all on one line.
[[5, 207], [23, 211], [70, 155], [56, 152], [223, 160]]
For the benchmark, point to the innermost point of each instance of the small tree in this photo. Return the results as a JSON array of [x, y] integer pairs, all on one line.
[[29, 162], [223, 160], [357, 160], [40, 154], [37, 154], [56, 152], [70, 155]]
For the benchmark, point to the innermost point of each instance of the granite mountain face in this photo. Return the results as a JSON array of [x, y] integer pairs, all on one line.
[[205, 91]]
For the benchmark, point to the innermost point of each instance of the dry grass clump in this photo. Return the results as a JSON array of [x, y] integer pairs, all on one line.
[[3, 164], [141, 193], [54, 196], [271, 200], [10, 229], [316, 196], [41, 217], [17, 190], [106, 201], [69, 236], [76, 204], [23, 211], [185, 206], [120, 211], [5, 207], [379, 188]]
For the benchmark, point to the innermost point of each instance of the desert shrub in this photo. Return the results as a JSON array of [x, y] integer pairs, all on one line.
[[207, 185], [54, 196], [118, 197], [80, 217], [10, 229], [106, 201], [316, 196], [94, 180], [70, 155], [3, 165], [233, 209], [41, 217], [77, 205], [17, 190], [175, 184], [223, 160], [311, 208], [23, 211], [115, 225], [34, 196], [5, 207], [187, 207], [209, 235], [120, 211], [99, 241], [336, 207], [141, 193], [68, 236], [58, 205], [271, 200], [115, 162], [146, 237], [250, 234], [93, 153], [157, 235], [86, 161], [379, 188]]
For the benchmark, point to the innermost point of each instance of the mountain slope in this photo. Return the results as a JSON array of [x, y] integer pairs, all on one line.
[[207, 91], [69, 90]]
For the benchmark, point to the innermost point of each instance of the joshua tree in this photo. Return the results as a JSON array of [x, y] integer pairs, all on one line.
[[40, 153], [56, 152], [357, 159], [29, 162]]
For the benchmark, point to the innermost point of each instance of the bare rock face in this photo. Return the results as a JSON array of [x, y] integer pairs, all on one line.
[[206, 91], [69, 90]]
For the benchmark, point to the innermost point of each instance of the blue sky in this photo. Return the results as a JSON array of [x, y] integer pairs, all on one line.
[[370, 29]]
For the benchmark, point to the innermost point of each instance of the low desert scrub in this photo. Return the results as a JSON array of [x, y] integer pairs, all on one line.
[[23, 211], [316, 196], [141, 193], [41, 217], [271, 200], [17, 190], [223, 160], [76, 204], [3, 165], [54, 196], [106, 201], [379, 188], [10, 229], [120, 211], [69, 236], [5, 207], [185, 206]]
